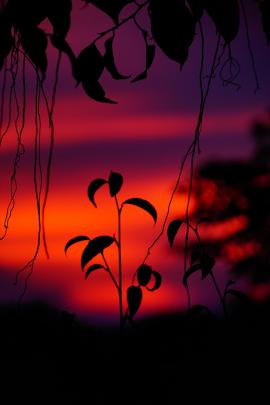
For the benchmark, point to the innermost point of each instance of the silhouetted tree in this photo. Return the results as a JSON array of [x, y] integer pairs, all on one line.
[[238, 192]]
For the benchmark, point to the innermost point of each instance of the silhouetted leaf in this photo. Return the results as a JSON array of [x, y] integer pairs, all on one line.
[[150, 55], [173, 28], [93, 268], [59, 16], [173, 228], [144, 204], [158, 281], [207, 263], [111, 7], [109, 61], [191, 270], [141, 76], [196, 7], [93, 187], [265, 11], [94, 247], [226, 16], [26, 14], [203, 220], [35, 43], [75, 240], [90, 65], [62, 45], [95, 91], [229, 284], [195, 256], [115, 183], [144, 273], [134, 299], [238, 294], [88, 69]]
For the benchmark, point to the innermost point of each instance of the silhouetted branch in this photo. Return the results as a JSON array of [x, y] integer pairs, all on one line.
[[124, 21]]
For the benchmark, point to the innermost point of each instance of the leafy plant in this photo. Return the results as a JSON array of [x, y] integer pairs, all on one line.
[[96, 247], [200, 261]]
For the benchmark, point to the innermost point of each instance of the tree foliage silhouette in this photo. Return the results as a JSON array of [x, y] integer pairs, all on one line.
[[239, 191]]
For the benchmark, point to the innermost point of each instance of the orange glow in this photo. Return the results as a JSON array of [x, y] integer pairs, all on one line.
[[211, 195], [208, 192], [225, 229], [100, 296], [235, 252], [70, 213]]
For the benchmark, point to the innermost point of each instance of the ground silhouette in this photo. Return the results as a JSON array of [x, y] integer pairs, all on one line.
[[48, 356]]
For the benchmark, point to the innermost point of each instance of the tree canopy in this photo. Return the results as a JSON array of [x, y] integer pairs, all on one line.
[[170, 25]]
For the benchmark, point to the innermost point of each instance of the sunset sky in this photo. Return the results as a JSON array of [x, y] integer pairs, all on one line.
[[143, 137]]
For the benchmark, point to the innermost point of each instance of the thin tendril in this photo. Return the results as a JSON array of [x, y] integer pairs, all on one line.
[[3, 93], [234, 71], [10, 70], [20, 148], [49, 163], [124, 21], [37, 187]]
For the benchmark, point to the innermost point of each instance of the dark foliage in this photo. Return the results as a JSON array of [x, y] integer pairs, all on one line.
[[173, 229], [109, 61], [173, 28], [34, 42], [265, 12], [115, 183], [226, 16], [96, 246], [157, 281], [143, 204], [94, 186], [134, 299], [240, 189], [144, 273], [111, 8]]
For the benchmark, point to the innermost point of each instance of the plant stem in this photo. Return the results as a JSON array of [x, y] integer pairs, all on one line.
[[120, 282], [221, 298], [110, 272], [124, 21]]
